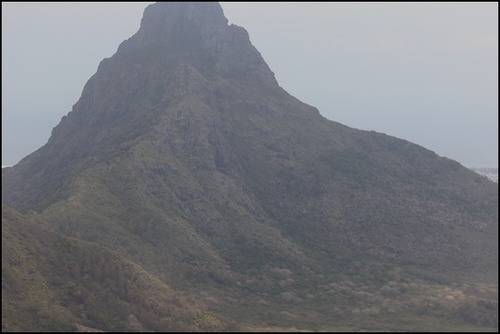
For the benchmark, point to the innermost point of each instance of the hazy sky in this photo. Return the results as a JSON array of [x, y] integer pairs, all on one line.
[[424, 72]]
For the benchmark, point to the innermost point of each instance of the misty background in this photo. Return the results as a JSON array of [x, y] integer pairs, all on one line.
[[424, 72]]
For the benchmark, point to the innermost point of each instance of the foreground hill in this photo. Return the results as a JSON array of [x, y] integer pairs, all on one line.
[[54, 283], [186, 157]]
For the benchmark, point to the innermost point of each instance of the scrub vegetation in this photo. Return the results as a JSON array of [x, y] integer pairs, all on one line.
[[188, 191]]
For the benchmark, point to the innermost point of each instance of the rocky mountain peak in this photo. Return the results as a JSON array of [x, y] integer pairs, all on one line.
[[166, 23], [197, 32]]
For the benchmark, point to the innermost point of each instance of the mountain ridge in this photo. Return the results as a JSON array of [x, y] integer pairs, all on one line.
[[185, 156]]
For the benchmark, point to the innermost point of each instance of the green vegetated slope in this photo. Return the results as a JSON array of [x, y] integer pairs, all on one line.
[[186, 158], [54, 283], [255, 233]]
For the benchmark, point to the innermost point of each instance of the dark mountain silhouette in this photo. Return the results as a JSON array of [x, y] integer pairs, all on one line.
[[185, 156]]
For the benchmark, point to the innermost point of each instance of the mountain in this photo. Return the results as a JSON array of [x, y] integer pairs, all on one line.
[[185, 157]]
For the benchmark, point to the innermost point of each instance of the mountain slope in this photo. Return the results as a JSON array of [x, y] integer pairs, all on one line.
[[53, 283], [185, 156]]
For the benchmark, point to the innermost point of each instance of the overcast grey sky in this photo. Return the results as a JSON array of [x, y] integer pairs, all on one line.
[[424, 72]]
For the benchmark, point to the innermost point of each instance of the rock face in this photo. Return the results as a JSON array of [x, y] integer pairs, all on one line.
[[184, 155]]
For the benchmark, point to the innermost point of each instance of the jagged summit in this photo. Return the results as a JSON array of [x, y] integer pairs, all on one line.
[[179, 47], [166, 23], [199, 32]]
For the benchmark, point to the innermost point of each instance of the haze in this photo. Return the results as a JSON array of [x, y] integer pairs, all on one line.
[[424, 72]]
